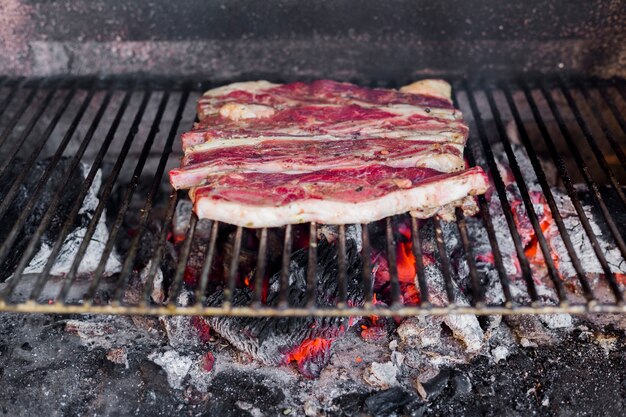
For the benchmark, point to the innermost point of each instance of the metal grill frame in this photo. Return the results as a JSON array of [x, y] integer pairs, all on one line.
[[479, 137]]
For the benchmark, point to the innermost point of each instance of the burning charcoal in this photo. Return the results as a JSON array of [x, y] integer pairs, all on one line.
[[70, 245], [247, 254], [331, 233], [436, 385], [464, 327], [392, 401], [305, 340]]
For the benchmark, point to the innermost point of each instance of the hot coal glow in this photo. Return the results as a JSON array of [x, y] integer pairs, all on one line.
[[310, 355], [532, 248], [406, 267]]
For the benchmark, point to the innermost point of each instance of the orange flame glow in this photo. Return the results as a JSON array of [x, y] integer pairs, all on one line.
[[307, 349], [532, 249]]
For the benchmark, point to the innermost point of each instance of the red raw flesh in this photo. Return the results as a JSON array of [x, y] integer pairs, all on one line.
[[327, 92], [303, 156], [350, 185], [344, 121]]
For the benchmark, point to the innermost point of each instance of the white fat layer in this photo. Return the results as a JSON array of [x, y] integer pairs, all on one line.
[[421, 198], [430, 87], [249, 86], [238, 111], [405, 110]]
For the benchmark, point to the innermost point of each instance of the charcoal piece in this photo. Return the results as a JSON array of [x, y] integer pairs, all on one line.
[[229, 390], [436, 385], [278, 340], [25, 191], [392, 400]]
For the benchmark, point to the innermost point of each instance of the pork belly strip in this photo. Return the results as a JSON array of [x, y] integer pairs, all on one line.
[[236, 120], [334, 196], [427, 93], [275, 156]]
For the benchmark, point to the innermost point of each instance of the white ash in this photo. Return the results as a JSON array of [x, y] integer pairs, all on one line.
[[580, 240], [118, 356], [158, 293], [381, 375], [500, 353], [53, 287], [465, 327], [108, 332], [176, 366], [581, 243], [556, 321], [182, 217], [180, 332], [72, 242]]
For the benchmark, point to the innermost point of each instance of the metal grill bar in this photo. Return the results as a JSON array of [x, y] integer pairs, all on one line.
[[592, 142], [260, 267], [488, 223], [608, 98], [444, 262], [158, 252], [8, 199], [284, 270], [546, 189], [208, 263], [380, 239], [521, 183], [341, 263], [311, 279], [156, 183], [76, 207], [477, 292], [560, 164], [393, 264], [500, 188], [366, 261], [230, 277], [419, 263], [603, 124], [182, 263]]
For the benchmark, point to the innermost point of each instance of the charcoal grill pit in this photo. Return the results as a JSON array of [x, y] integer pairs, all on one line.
[[44, 118]]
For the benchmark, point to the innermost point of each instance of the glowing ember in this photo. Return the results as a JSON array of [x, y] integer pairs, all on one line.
[[207, 362], [532, 249], [620, 278], [311, 356], [405, 261], [203, 328], [190, 276]]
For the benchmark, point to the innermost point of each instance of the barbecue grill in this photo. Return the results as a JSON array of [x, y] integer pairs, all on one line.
[[143, 117], [115, 299]]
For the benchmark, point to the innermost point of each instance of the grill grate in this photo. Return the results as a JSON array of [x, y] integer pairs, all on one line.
[[136, 122]]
